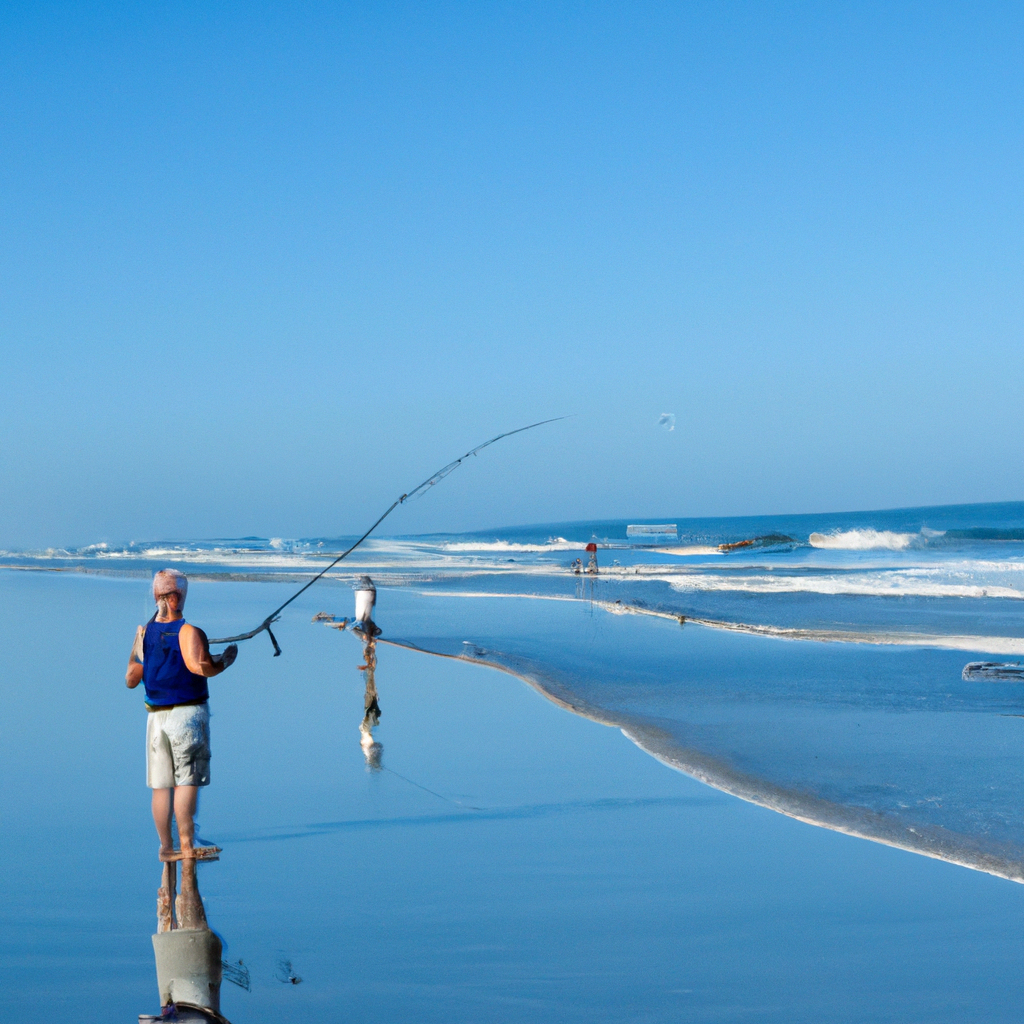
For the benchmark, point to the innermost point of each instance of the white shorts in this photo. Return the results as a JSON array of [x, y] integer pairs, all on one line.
[[178, 747]]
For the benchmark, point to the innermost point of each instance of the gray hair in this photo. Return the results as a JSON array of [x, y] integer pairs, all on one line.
[[168, 580]]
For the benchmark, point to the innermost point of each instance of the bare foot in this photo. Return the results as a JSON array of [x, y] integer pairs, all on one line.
[[192, 853]]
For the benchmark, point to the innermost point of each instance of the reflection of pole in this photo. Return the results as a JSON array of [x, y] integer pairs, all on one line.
[[371, 708], [368, 631]]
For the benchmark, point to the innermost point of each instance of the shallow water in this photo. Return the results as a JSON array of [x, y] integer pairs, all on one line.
[[511, 859]]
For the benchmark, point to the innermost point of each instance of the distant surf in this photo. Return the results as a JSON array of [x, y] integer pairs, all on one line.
[[950, 575], [862, 540]]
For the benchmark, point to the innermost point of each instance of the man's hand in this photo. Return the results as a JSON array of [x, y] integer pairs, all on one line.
[[226, 658]]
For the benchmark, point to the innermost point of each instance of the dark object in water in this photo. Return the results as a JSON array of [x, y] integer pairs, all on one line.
[[736, 545], [768, 541], [265, 625], [237, 974], [371, 713], [1012, 671], [285, 974]]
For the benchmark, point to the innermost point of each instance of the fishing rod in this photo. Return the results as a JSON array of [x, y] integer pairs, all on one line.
[[265, 625]]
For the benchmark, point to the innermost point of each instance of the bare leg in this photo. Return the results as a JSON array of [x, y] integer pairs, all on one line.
[[185, 799], [188, 905], [162, 818], [165, 898]]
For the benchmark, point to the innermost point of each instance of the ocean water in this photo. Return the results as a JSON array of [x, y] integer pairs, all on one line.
[[500, 854]]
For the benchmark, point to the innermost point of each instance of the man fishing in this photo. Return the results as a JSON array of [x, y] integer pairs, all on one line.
[[172, 658]]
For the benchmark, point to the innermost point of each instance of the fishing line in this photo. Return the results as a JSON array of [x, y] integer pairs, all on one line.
[[437, 477], [446, 799]]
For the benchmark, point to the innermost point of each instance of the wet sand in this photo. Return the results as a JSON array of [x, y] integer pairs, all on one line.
[[511, 861]]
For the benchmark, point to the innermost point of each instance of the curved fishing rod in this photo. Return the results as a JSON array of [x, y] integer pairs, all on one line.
[[429, 482]]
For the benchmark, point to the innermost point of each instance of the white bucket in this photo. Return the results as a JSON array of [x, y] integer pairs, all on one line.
[[366, 598]]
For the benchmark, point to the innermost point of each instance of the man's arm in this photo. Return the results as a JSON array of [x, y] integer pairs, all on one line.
[[133, 676], [195, 652]]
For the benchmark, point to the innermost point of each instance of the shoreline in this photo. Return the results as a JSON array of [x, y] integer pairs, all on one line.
[[934, 842]]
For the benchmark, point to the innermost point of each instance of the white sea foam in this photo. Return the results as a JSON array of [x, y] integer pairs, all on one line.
[[978, 565], [863, 540], [554, 544], [903, 584], [999, 645], [938, 844], [692, 549]]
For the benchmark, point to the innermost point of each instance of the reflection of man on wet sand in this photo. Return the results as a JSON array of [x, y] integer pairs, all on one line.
[[172, 658]]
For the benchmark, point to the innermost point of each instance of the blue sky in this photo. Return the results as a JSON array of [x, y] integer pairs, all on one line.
[[266, 266]]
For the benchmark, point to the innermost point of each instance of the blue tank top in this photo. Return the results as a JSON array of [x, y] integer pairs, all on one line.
[[167, 679]]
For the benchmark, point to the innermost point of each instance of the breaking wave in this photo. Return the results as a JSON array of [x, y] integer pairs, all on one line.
[[554, 544], [864, 540]]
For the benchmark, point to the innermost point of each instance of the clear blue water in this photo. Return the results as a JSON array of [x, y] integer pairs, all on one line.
[[511, 860]]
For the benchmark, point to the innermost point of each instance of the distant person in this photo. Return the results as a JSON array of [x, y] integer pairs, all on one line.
[[172, 658], [592, 563], [577, 566]]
